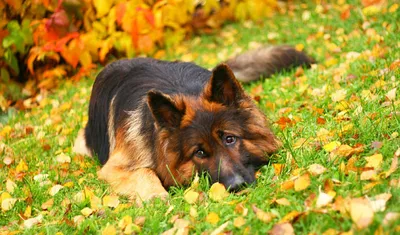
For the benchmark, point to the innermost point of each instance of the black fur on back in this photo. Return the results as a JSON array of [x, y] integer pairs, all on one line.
[[129, 81]]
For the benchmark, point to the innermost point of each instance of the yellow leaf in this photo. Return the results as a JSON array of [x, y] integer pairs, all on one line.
[[316, 169], [212, 218], [28, 212], [265, 217], [193, 212], [111, 201], [361, 212], [391, 95], [8, 203], [191, 196], [278, 168], [218, 192], [102, 7], [283, 201], [325, 198], [21, 167], [48, 204], [239, 222], [109, 230], [338, 95], [374, 161], [10, 186], [302, 182], [368, 175], [290, 216], [55, 189], [78, 219], [125, 221], [29, 223], [299, 47], [343, 150], [63, 158], [331, 146], [86, 211]]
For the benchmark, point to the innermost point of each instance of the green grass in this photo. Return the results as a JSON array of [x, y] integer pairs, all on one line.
[[61, 114]]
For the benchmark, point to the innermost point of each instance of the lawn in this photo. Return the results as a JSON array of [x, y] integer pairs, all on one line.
[[339, 123]]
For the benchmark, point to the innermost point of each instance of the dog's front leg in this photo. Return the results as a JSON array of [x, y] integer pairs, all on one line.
[[141, 184]]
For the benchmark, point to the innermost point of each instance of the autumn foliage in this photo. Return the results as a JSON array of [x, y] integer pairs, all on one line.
[[47, 40]]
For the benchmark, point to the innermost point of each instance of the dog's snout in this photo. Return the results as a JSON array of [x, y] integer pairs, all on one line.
[[235, 182]]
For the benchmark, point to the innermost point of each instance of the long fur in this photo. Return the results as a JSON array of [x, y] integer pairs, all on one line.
[[147, 113], [265, 61]]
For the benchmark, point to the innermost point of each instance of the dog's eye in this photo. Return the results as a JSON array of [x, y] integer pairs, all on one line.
[[200, 153], [229, 140]]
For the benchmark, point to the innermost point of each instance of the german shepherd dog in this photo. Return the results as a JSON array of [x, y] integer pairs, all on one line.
[[153, 124]]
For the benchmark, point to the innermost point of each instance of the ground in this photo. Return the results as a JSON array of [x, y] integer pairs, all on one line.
[[336, 172]]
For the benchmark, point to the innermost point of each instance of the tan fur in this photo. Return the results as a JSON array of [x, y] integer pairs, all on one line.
[[111, 132], [135, 144], [80, 144]]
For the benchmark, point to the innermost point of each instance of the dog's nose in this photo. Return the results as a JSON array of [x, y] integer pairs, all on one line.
[[235, 183]]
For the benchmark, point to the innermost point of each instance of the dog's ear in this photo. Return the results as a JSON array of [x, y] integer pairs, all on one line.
[[223, 87], [164, 109]]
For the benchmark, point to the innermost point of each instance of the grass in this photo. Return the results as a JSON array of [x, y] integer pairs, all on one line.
[[307, 101]]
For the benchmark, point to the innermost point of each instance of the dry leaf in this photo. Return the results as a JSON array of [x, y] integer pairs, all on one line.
[[86, 211], [378, 203], [325, 198], [391, 217], [218, 192], [282, 201], [48, 204], [111, 201], [29, 223], [212, 218], [282, 229], [368, 175], [239, 222], [220, 229], [316, 169], [8, 203], [265, 217], [191, 196], [391, 95], [338, 95], [109, 230], [374, 161], [63, 158], [21, 167], [331, 146], [361, 212], [10, 186], [302, 182], [55, 189]]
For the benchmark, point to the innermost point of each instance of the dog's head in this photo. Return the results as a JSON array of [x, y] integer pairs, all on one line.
[[221, 132]]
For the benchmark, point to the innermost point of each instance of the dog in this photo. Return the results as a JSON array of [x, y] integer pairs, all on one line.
[[154, 124]]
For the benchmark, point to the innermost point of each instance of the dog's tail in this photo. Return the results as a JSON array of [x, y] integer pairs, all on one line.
[[266, 61]]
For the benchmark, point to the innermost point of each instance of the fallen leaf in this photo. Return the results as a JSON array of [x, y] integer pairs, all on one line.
[[48, 204], [376, 145], [368, 175], [316, 169], [374, 161], [191, 196], [391, 95], [239, 222], [10, 186], [282, 229], [378, 203], [63, 158], [8, 203], [338, 95], [21, 167], [265, 217], [111, 201], [29, 223], [282, 201], [212, 218], [55, 189], [324, 198], [109, 230], [361, 212], [302, 182], [331, 146], [86, 211], [291, 216], [218, 192], [220, 229], [391, 217], [78, 219]]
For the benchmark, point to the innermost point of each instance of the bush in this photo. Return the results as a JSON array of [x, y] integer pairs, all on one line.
[[44, 41]]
